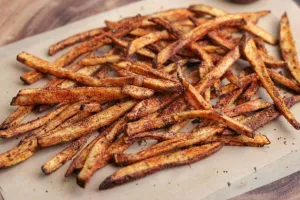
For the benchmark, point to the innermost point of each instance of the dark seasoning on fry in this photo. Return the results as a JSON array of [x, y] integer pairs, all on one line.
[[168, 66]]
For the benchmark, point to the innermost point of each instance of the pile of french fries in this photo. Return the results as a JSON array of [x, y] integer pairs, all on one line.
[[160, 73]]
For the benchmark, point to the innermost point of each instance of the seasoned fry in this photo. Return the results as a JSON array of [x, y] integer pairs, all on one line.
[[173, 66], [152, 165], [137, 92], [258, 66], [80, 37], [231, 77], [271, 61], [94, 159], [150, 105], [79, 129], [64, 156], [284, 81], [249, 106], [288, 48], [16, 117], [51, 96], [100, 60], [196, 34], [134, 127], [228, 99], [249, 92], [32, 61], [31, 125]]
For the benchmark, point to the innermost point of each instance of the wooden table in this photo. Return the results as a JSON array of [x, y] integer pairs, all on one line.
[[18, 20]]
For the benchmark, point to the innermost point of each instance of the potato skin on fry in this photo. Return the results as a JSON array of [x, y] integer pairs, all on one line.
[[137, 92], [149, 166]]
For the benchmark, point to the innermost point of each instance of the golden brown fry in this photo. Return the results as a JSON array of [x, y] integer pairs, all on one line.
[[150, 105], [33, 61], [288, 48], [31, 125], [228, 99], [260, 44], [152, 165], [173, 66], [219, 70], [100, 60], [134, 127], [64, 156], [16, 117], [271, 61], [196, 34], [125, 44], [192, 95], [240, 140], [169, 145], [144, 70], [160, 85], [137, 92], [277, 77], [249, 106], [88, 46], [94, 160], [146, 40], [51, 96], [249, 92], [252, 55], [206, 9], [259, 32], [231, 77], [80, 37], [94, 122]]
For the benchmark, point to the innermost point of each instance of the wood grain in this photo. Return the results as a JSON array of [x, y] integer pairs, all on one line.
[[23, 18]]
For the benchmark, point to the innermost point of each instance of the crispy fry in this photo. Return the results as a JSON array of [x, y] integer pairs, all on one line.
[[288, 48], [103, 72], [169, 145], [64, 156], [100, 60], [258, 66], [249, 92], [271, 61], [284, 81], [219, 70], [137, 92], [32, 61], [79, 129], [164, 86], [80, 37], [240, 140], [51, 96], [249, 106], [152, 165], [134, 127], [228, 99], [260, 44], [150, 105], [173, 66], [31, 125], [94, 159], [16, 117], [196, 34], [231, 77]]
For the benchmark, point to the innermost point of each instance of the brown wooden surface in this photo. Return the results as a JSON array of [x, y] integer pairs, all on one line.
[[23, 18]]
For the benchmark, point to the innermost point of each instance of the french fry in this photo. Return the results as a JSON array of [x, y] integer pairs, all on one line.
[[137, 92], [85, 47], [79, 129], [249, 106], [173, 66], [240, 140], [284, 81], [219, 70], [33, 61], [125, 44], [196, 34], [168, 145], [100, 60], [145, 40], [260, 44], [51, 96], [80, 37], [134, 127], [152, 165], [249, 92], [271, 61], [103, 72], [16, 117], [150, 105], [31, 125], [231, 77], [288, 48], [64, 156], [93, 160], [164, 86], [228, 99], [144, 70], [252, 55]]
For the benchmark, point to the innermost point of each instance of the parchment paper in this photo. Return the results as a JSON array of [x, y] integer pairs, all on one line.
[[26, 181]]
